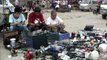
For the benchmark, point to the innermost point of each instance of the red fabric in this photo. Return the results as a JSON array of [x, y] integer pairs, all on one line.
[[33, 16], [28, 56]]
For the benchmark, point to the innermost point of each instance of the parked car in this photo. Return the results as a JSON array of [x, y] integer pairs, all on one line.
[[104, 9], [88, 5]]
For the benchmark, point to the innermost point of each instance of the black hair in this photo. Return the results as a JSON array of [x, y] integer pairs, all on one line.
[[17, 9], [53, 11], [37, 9]]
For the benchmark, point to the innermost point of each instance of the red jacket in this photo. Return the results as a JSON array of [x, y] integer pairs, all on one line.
[[33, 16]]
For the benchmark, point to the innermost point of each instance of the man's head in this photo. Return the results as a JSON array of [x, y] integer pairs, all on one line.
[[17, 12], [53, 14], [37, 10]]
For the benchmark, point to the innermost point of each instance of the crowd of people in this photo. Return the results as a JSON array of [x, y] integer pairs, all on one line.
[[54, 4], [35, 21], [30, 5]]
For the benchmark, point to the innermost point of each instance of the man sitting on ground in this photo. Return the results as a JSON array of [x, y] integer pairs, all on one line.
[[17, 21], [55, 22], [36, 20]]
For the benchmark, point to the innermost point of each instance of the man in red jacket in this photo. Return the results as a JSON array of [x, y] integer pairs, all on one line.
[[36, 20]]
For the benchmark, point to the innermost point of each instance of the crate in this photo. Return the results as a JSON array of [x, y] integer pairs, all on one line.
[[53, 36], [7, 35]]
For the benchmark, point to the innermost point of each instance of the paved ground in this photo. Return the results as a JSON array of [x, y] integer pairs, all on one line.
[[74, 21]]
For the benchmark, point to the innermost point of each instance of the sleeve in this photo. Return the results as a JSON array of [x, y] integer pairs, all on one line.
[[48, 21], [30, 18], [59, 19], [11, 19], [23, 17], [42, 18]]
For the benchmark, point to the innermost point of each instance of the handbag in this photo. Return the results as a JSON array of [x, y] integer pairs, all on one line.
[[39, 40], [88, 28]]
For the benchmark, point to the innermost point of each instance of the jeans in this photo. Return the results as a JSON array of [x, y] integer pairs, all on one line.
[[40, 26], [20, 28], [23, 29]]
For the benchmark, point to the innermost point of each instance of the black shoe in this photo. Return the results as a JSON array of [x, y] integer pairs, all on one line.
[[63, 31]]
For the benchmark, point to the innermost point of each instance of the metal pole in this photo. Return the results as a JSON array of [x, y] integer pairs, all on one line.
[[3, 6], [3, 18]]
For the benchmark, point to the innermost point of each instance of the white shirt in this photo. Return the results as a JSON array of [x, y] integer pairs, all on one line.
[[57, 2], [43, 2], [57, 6], [58, 20], [16, 2], [12, 19]]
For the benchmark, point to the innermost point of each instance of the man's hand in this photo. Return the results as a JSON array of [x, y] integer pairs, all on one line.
[[54, 25], [16, 23], [32, 24], [22, 22]]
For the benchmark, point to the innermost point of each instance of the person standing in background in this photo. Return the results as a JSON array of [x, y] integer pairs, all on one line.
[[43, 3], [16, 3], [29, 4], [57, 5], [53, 4]]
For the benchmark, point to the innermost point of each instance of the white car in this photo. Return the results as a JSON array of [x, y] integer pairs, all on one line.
[[104, 9], [88, 5]]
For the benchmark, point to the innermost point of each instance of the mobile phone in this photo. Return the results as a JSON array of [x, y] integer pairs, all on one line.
[[21, 21]]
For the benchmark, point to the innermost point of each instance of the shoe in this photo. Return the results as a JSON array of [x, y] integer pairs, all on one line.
[[63, 31]]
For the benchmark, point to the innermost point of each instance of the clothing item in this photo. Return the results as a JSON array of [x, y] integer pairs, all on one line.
[[43, 3], [37, 27], [33, 16], [57, 6], [59, 27], [30, 3], [56, 21], [12, 19], [21, 28], [16, 3]]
